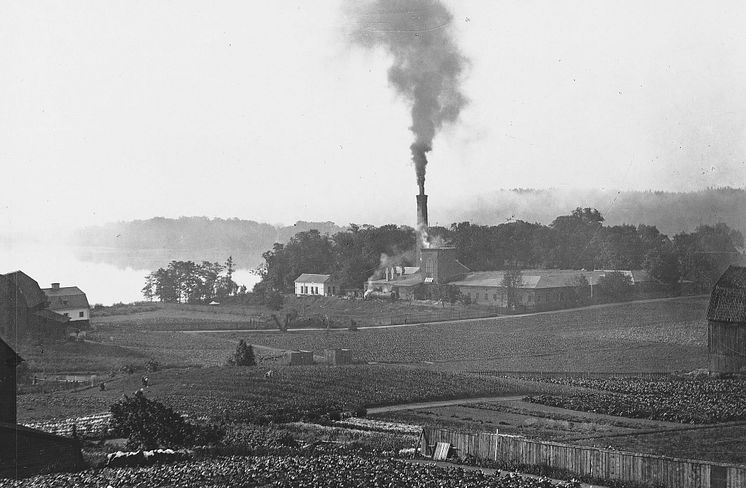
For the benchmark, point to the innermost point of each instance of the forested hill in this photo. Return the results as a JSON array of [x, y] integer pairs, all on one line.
[[195, 237], [670, 212]]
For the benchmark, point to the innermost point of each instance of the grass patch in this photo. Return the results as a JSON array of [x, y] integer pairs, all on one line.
[[632, 337]]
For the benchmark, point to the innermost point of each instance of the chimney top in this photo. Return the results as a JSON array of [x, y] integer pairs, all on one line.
[[55, 286]]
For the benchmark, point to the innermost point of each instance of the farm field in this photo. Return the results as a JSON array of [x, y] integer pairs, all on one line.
[[79, 357], [725, 444], [675, 399], [660, 336], [172, 316], [287, 471], [721, 443], [244, 394]]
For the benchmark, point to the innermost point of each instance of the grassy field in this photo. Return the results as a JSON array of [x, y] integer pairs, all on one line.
[[653, 336], [242, 394], [660, 336], [632, 337], [172, 316]]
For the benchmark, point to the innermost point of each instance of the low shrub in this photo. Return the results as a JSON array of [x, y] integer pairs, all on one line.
[[243, 356], [149, 424]]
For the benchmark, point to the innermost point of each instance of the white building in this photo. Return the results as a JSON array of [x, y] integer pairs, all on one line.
[[69, 301], [315, 284]]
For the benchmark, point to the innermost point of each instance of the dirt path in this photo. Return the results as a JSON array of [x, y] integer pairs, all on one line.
[[442, 403], [454, 321]]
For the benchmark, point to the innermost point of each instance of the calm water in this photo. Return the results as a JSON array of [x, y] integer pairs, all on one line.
[[106, 276]]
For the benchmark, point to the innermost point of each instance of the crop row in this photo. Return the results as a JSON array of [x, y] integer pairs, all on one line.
[[673, 399], [286, 471], [88, 426], [293, 393], [379, 426]]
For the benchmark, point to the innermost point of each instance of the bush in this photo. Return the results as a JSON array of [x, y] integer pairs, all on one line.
[[274, 300], [148, 424], [152, 366], [244, 355], [615, 286], [334, 415]]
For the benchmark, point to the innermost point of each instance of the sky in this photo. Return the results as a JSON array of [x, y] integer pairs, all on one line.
[[120, 110]]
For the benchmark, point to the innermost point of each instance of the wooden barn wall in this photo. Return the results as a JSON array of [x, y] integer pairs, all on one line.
[[25, 452], [727, 346], [599, 463]]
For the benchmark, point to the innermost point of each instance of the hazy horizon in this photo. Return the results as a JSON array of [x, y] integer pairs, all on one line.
[[271, 112]]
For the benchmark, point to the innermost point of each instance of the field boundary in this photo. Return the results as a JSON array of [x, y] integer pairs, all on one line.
[[453, 320], [593, 462], [571, 374]]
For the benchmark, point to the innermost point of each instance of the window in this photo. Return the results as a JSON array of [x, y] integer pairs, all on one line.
[[486, 297], [81, 314], [66, 314], [494, 297]]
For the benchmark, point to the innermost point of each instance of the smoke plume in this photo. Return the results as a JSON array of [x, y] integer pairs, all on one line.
[[427, 63]]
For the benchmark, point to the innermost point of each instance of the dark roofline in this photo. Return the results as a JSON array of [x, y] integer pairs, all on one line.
[[39, 433], [13, 354]]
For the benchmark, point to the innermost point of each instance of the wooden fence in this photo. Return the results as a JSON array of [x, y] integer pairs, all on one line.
[[603, 464]]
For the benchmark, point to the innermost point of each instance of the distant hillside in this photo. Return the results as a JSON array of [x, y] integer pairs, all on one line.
[[137, 243], [669, 211]]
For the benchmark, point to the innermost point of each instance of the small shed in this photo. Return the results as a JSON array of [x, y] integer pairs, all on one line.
[[338, 357], [299, 358], [726, 328]]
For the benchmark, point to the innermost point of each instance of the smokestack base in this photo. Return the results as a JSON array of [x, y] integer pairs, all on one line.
[[422, 211], [421, 225]]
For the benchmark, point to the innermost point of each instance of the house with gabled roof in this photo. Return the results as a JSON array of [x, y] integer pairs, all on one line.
[[69, 301], [310, 284], [726, 322]]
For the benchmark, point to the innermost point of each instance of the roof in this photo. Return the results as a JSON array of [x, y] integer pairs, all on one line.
[[8, 354], [29, 288], [47, 314], [66, 297], [412, 278], [728, 297], [543, 278], [312, 278]]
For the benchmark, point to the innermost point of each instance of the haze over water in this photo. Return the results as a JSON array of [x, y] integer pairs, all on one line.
[[106, 276]]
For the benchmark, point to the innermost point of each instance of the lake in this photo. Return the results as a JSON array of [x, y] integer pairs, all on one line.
[[106, 275]]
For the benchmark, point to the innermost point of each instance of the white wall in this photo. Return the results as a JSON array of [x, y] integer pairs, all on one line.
[[74, 313], [321, 288]]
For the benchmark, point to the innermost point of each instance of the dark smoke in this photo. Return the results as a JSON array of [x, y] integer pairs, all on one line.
[[427, 64]]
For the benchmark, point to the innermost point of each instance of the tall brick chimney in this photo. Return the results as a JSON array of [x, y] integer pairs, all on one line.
[[421, 223]]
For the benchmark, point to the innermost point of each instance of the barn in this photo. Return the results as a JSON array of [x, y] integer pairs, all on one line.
[[726, 317], [25, 451], [24, 312]]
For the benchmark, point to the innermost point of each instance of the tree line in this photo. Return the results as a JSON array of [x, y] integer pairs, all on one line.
[[579, 240], [190, 282]]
